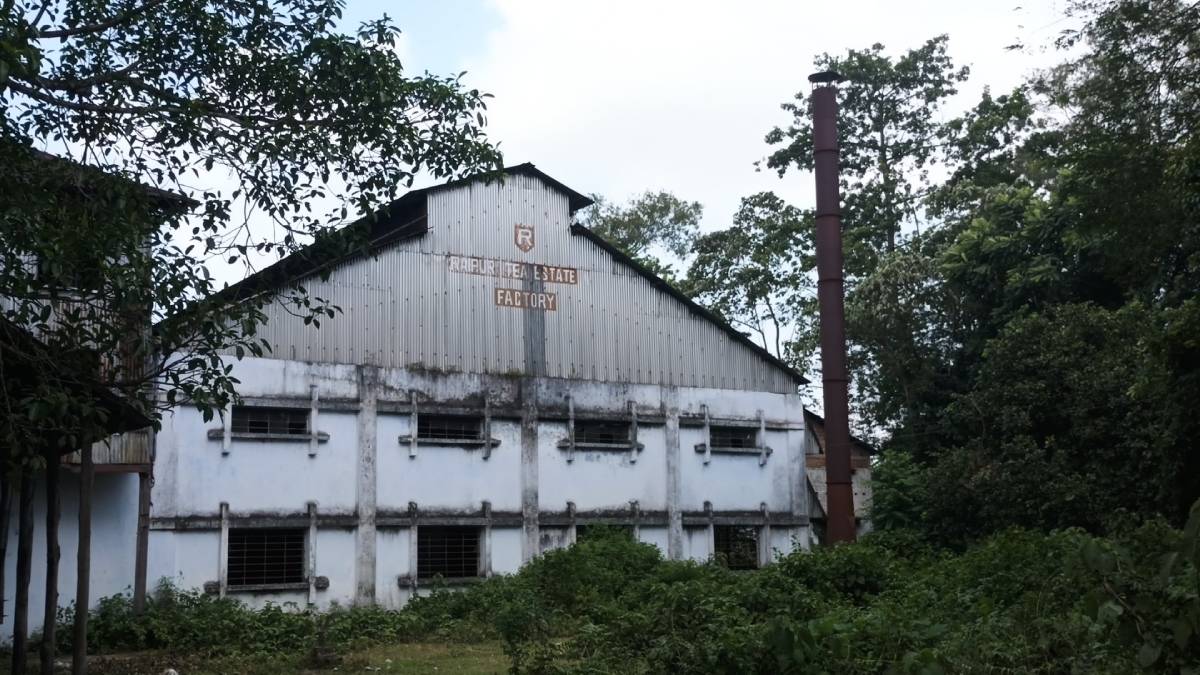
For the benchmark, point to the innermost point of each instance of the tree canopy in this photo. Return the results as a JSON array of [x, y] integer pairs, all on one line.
[[648, 228], [262, 126]]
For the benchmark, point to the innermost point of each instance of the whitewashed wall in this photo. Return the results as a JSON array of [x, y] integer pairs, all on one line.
[[259, 478], [114, 532]]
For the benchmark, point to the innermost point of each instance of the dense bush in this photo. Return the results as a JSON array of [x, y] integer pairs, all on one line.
[[1020, 601]]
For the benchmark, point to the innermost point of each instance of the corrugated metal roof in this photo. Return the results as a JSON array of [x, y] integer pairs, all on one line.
[[593, 335]]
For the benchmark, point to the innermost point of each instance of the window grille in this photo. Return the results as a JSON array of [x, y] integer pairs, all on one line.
[[733, 437], [736, 546], [448, 551], [264, 556], [256, 420], [449, 427], [601, 431]]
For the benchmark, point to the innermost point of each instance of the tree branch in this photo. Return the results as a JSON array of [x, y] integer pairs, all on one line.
[[99, 27]]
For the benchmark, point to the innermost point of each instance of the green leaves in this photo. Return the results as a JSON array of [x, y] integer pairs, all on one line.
[[185, 117], [650, 226]]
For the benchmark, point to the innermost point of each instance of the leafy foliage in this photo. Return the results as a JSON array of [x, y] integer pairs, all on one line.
[[190, 131], [1019, 601], [650, 225], [888, 133], [755, 273]]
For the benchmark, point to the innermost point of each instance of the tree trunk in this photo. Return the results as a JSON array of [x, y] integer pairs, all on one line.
[[24, 569], [141, 553], [84, 571], [53, 512], [5, 514]]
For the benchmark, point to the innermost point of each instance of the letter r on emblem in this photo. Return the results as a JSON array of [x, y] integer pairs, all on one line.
[[523, 236]]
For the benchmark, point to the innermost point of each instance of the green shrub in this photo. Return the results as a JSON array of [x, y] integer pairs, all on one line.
[[1019, 601]]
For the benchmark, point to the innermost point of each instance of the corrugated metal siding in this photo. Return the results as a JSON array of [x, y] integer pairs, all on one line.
[[404, 308], [128, 448]]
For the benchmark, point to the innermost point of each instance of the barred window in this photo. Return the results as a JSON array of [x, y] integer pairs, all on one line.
[[449, 427], [265, 556], [733, 437], [601, 431], [736, 546], [256, 420], [448, 551]]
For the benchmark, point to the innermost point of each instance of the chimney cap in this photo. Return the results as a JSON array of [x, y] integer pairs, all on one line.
[[826, 77]]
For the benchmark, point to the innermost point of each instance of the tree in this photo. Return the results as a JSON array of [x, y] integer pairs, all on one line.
[[755, 273], [156, 105], [1063, 274], [166, 94], [170, 95], [889, 134], [647, 227]]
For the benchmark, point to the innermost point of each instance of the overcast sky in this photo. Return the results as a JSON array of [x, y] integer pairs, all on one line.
[[617, 97]]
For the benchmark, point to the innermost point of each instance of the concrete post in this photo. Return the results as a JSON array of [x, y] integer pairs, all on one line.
[[529, 471], [674, 478], [312, 552], [365, 486], [223, 552]]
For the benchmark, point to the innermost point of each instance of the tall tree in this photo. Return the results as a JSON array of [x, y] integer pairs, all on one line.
[[649, 228], [190, 131], [755, 273], [889, 133], [310, 124], [1064, 274]]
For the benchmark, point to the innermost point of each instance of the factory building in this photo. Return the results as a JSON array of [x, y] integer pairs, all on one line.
[[497, 382]]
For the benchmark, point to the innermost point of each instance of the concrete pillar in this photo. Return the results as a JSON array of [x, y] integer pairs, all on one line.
[[223, 552], [365, 487], [312, 552], [529, 471], [674, 480]]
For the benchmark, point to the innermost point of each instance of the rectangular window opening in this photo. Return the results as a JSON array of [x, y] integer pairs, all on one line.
[[448, 551], [601, 431], [736, 546], [733, 437], [449, 427], [265, 556], [282, 421]]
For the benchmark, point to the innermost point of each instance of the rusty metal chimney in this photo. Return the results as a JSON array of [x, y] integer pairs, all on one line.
[[831, 298]]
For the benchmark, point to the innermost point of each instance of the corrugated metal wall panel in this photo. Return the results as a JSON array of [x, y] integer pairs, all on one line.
[[405, 308]]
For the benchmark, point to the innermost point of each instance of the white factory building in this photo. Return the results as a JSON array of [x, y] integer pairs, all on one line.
[[498, 380]]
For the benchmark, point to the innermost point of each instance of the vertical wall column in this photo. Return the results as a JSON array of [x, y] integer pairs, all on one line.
[[312, 553], [365, 486], [223, 552], [529, 471], [797, 448], [674, 481], [485, 542], [414, 571]]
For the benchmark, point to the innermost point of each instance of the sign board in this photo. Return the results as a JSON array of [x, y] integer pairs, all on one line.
[[509, 269], [512, 297], [523, 237]]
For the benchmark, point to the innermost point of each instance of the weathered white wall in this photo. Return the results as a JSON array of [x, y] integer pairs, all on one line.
[[425, 479], [259, 479], [114, 530]]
